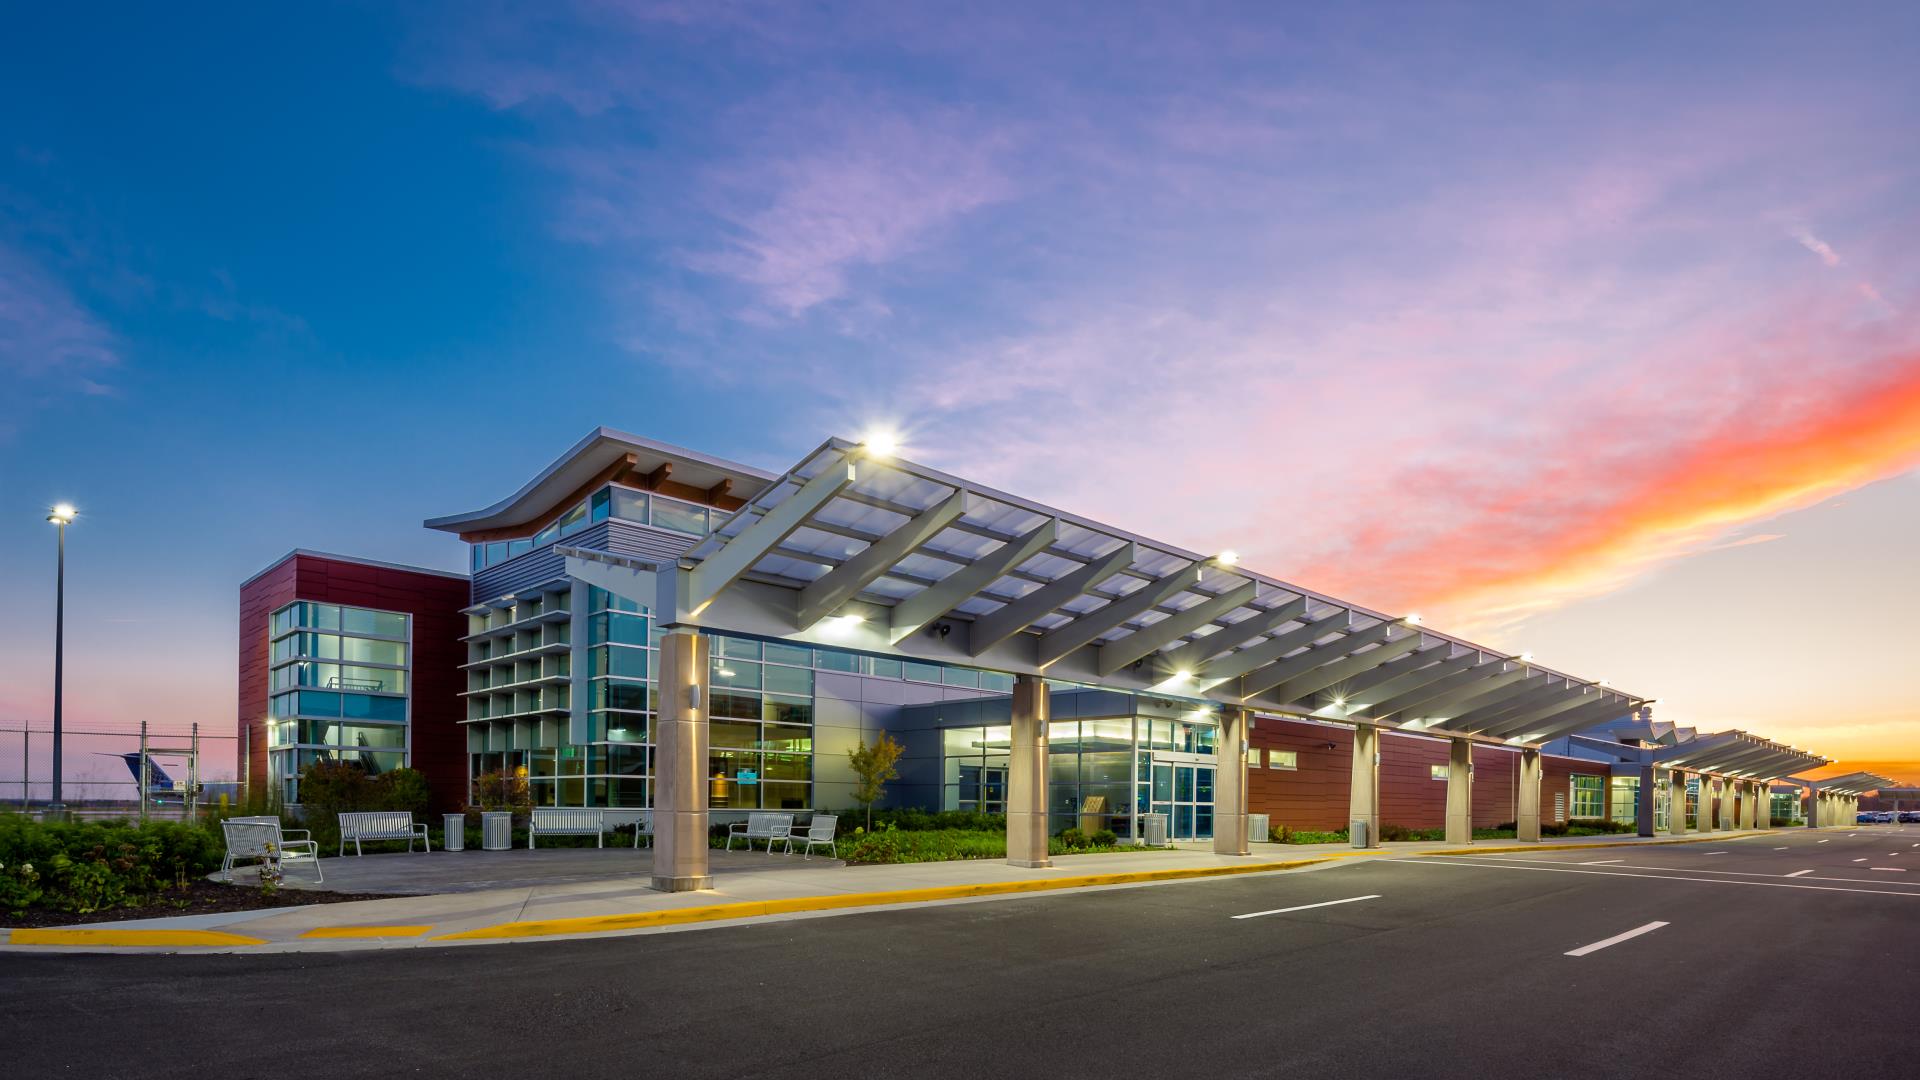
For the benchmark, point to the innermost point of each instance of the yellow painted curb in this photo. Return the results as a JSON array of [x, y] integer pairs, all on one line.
[[367, 931], [589, 924], [153, 938]]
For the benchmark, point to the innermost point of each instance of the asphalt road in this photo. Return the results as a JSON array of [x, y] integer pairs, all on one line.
[[1453, 967]]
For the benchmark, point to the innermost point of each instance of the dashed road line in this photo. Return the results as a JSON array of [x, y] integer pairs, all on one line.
[[1603, 862], [1888, 869], [1616, 939], [1305, 907], [1616, 872], [1800, 873]]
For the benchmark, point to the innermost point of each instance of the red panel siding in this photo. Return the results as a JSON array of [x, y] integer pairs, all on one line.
[[1315, 796], [434, 602]]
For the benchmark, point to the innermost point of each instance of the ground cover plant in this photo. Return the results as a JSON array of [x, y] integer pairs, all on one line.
[[80, 867]]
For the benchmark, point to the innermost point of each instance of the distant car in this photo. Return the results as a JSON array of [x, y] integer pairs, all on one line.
[[1884, 817], [1866, 817], [1910, 816]]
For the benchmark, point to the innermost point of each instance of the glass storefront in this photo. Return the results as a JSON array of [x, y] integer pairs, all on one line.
[[339, 682]]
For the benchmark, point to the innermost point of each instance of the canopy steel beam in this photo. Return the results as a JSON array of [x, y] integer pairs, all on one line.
[[1148, 640], [1579, 719], [930, 603], [1189, 657], [737, 555], [1266, 678], [1061, 640], [1016, 615], [1528, 719], [1301, 686], [1464, 699], [1471, 678], [1510, 701], [1427, 659], [834, 588], [1453, 671], [1235, 664]]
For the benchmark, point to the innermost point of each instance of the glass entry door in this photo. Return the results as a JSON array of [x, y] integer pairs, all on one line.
[[1183, 791]]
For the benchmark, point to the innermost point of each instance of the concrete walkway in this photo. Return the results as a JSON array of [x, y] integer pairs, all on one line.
[[522, 895]]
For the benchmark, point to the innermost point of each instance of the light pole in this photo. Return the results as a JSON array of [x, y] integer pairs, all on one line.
[[61, 516]]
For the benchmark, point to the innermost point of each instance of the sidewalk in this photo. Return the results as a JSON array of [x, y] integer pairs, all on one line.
[[475, 910]]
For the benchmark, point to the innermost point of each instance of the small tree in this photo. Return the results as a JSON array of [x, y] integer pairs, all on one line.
[[874, 766]]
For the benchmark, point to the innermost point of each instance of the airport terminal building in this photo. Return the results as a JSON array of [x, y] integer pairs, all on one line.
[[643, 625]]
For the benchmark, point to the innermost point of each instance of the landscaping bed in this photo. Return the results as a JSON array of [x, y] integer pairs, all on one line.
[[195, 898]]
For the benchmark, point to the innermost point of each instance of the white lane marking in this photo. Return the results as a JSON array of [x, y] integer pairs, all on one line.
[[1434, 860], [1779, 849], [1603, 862], [1819, 841], [1682, 870], [1304, 907], [1799, 873], [1713, 853], [1859, 860], [1888, 869], [1616, 939]]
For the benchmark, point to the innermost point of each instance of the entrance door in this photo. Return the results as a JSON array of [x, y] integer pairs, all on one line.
[[1183, 791]]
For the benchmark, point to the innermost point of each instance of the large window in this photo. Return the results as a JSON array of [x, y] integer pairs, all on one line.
[[1588, 796], [1623, 798], [626, 504], [339, 675]]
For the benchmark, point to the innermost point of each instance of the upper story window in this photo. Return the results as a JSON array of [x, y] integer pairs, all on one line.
[[624, 504]]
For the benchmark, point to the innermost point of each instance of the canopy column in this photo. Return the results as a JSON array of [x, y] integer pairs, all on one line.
[[1676, 803], [1726, 805], [1459, 791], [1643, 802], [1230, 785], [1813, 808], [1763, 806], [1363, 813], [1527, 815], [1027, 774], [680, 851]]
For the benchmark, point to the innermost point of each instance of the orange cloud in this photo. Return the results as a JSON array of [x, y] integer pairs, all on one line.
[[1521, 552]]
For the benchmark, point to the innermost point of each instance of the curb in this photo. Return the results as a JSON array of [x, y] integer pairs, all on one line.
[[147, 938]]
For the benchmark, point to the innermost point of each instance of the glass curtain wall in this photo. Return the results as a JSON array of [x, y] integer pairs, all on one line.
[[339, 680]]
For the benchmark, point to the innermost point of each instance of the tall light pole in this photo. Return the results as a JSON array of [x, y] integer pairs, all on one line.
[[61, 516]]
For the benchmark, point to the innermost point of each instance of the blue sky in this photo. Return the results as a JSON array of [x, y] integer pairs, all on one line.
[[1535, 310]]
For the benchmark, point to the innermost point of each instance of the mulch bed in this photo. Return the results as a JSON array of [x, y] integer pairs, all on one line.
[[200, 898]]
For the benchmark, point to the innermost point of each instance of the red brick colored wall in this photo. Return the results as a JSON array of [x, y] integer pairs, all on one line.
[[434, 602], [1315, 796]]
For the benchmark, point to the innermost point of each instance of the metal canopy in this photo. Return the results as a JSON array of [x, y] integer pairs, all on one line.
[[1856, 783], [883, 555], [1735, 754]]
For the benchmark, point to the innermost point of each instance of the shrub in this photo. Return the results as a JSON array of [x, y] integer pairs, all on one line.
[[1103, 838], [1071, 838], [1286, 834], [330, 788], [86, 866]]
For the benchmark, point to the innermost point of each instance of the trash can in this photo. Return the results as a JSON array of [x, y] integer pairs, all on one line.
[[496, 831], [1357, 832], [1258, 829], [455, 837], [1154, 827]]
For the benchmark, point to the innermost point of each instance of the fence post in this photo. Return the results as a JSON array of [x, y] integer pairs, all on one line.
[[26, 769], [141, 778], [193, 775]]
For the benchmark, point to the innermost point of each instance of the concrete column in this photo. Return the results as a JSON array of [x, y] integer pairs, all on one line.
[[1726, 805], [1459, 791], [1746, 804], [680, 851], [1527, 815], [1363, 803], [1704, 804], [1230, 785], [1676, 803], [1643, 802], [1027, 774], [1763, 806], [1813, 808]]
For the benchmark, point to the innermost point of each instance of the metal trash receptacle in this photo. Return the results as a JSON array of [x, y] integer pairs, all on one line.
[[1154, 828], [1357, 832], [1259, 831], [496, 831], [454, 838]]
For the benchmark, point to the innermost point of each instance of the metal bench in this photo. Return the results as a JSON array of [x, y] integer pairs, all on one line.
[[380, 825], [820, 830], [568, 821], [768, 827], [641, 820], [262, 838]]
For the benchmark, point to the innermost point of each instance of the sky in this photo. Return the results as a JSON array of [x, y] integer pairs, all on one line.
[[1588, 330]]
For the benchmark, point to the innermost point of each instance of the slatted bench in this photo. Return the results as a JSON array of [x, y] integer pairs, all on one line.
[[381, 825], [261, 838], [568, 821], [641, 820], [768, 827]]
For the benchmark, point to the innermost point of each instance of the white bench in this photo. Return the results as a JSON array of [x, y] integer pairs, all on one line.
[[262, 838], [820, 830], [568, 821], [768, 827], [641, 820], [380, 825]]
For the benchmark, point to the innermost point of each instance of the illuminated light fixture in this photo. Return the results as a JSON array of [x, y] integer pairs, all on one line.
[[1183, 674], [1227, 558], [1412, 620], [1339, 703], [1526, 658], [880, 444], [725, 673], [61, 513]]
